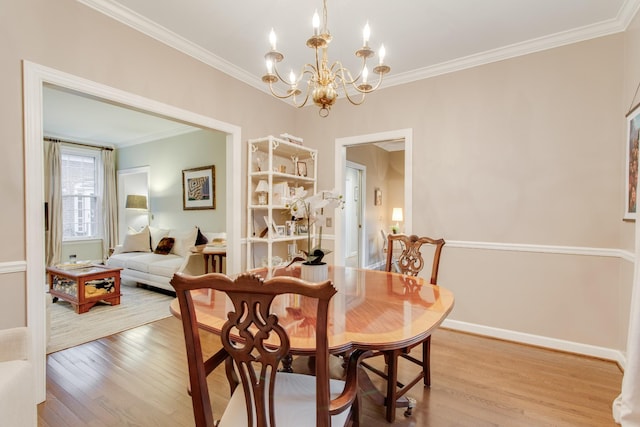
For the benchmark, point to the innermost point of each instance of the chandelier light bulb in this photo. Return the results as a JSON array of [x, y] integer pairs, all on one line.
[[366, 33], [292, 78], [382, 52], [316, 23], [365, 75], [269, 66], [272, 39]]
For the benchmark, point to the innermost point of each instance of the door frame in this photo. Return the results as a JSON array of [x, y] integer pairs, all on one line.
[[34, 77], [340, 162]]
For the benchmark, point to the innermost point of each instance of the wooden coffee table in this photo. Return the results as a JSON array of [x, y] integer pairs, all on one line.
[[84, 286]]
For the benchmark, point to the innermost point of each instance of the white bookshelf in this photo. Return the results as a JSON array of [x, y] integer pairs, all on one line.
[[282, 164]]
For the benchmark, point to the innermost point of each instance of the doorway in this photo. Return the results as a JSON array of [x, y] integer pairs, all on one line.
[[132, 181], [379, 216], [35, 77]]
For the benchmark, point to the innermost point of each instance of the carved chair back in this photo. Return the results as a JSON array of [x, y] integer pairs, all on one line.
[[410, 261], [256, 342]]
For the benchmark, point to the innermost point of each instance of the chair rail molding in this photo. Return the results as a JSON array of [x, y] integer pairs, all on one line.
[[13, 267], [547, 249]]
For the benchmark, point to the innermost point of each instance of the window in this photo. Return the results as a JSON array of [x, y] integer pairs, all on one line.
[[81, 174]]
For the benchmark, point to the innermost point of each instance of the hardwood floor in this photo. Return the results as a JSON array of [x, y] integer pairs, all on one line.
[[139, 378]]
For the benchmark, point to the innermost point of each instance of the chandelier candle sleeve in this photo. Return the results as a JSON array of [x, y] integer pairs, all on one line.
[[324, 79]]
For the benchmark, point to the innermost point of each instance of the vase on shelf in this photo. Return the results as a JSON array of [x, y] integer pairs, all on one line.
[[314, 272]]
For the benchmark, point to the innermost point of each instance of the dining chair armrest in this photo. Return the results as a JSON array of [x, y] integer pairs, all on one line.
[[350, 392]]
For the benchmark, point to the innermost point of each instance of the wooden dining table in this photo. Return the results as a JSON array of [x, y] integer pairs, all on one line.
[[372, 310]]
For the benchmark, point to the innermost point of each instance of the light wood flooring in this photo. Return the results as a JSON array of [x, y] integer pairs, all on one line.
[[139, 378]]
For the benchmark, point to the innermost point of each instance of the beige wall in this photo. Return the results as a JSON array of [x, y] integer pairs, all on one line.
[[523, 151], [70, 37]]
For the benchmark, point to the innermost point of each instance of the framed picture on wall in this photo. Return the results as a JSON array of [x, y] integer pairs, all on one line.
[[631, 164], [199, 188], [377, 197]]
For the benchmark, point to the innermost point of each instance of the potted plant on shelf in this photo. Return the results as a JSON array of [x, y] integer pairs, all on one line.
[[313, 210]]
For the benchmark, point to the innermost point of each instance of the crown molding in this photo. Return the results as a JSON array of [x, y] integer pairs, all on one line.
[[138, 22], [605, 28]]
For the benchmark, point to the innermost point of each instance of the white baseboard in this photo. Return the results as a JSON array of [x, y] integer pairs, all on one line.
[[540, 341]]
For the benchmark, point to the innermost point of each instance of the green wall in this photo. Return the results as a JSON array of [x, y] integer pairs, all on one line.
[[166, 159]]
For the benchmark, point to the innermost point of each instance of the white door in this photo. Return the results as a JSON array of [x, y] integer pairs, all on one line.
[[354, 249]]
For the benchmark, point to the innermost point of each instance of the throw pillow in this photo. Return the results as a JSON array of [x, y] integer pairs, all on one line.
[[137, 242], [184, 241], [201, 239], [157, 234], [165, 246]]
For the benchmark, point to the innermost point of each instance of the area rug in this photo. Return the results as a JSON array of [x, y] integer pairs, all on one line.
[[138, 306]]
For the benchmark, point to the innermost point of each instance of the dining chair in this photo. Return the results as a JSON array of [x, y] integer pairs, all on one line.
[[254, 343], [409, 262]]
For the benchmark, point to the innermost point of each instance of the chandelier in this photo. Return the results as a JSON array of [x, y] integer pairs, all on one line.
[[324, 80]]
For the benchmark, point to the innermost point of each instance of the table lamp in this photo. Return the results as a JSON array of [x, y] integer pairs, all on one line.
[[135, 201], [262, 189], [396, 216]]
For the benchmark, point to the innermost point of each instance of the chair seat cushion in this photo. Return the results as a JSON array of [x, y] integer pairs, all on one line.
[[295, 399]]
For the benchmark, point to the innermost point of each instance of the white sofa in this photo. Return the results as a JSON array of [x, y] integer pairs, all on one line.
[[141, 264], [17, 384]]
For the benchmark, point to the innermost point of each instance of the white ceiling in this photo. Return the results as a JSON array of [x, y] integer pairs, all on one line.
[[422, 38], [75, 117]]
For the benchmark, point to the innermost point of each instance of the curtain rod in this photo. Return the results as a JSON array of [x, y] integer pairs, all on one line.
[[97, 147]]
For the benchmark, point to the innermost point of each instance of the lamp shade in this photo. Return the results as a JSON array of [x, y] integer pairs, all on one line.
[[135, 201], [262, 187], [396, 215]]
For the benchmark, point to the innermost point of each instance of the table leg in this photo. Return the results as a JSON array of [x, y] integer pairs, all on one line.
[[392, 372], [394, 397], [206, 263]]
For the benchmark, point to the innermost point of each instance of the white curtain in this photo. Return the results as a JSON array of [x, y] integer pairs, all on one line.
[[53, 235], [626, 407], [109, 203]]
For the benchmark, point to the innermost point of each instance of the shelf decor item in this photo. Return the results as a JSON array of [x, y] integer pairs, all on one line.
[[262, 189], [313, 210]]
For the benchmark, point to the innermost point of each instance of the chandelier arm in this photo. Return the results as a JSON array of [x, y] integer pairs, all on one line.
[[341, 70], [352, 100], [274, 93], [306, 98], [352, 82], [292, 94], [375, 87], [343, 83], [277, 73]]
